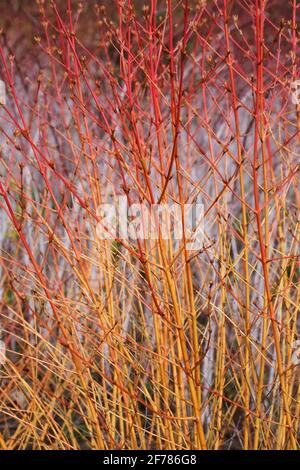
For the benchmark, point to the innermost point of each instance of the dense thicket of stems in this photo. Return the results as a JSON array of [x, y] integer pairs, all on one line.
[[124, 344]]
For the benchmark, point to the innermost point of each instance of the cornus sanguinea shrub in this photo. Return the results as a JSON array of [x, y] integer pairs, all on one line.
[[144, 344]]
